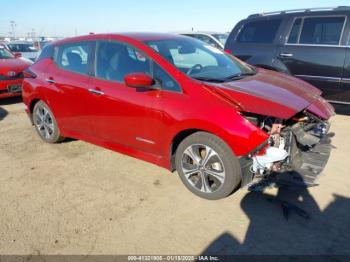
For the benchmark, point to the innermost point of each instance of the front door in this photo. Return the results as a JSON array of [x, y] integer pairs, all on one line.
[[120, 114]]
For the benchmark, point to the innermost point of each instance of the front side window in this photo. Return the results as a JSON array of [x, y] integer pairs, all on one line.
[[221, 37], [163, 79], [200, 60], [116, 60], [322, 30], [207, 39], [262, 32], [74, 57]]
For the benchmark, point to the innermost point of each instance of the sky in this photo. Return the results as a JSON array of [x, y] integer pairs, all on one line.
[[77, 17]]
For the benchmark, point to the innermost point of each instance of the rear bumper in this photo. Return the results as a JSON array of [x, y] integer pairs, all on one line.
[[4, 92]]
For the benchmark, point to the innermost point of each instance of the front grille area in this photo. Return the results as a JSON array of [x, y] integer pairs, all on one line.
[[18, 76]]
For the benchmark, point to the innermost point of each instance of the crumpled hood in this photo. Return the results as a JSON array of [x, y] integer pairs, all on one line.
[[274, 94], [14, 64]]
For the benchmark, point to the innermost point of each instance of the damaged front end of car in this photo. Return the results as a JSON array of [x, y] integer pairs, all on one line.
[[296, 153]]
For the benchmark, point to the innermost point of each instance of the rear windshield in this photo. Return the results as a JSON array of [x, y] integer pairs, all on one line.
[[4, 54], [263, 32], [23, 48]]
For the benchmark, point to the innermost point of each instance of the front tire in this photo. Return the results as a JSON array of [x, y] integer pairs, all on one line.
[[45, 123], [207, 166]]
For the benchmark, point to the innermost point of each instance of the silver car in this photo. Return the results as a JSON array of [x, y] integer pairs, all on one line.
[[215, 39]]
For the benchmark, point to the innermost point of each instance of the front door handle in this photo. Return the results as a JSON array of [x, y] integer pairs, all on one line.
[[286, 55], [96, 92]]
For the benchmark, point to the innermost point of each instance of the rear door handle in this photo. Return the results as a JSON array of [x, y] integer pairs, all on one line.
[[286, 55], [51, 81], [96, 92]]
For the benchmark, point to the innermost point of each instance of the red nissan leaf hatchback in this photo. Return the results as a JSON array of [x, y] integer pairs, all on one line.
[[181, 104]]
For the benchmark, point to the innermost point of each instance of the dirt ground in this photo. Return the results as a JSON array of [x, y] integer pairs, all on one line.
[[77, 198]]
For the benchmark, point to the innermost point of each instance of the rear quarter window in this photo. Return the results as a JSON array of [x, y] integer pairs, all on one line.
[[74, 57], [263, 32], [322, 30]]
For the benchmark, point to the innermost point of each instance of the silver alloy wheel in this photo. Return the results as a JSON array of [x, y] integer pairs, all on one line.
[[203, 168], [43, 122]]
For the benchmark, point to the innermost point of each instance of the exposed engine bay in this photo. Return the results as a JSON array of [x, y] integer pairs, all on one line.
[[296, 152]]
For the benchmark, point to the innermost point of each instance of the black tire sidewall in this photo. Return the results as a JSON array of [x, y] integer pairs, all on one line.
[[230, 161]]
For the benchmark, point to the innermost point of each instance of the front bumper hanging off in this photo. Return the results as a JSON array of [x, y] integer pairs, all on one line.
[[308, 153]]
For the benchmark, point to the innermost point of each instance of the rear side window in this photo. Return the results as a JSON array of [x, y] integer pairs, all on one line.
[[115, 60], [74, 57], [262, 32], [294, 33], [322, 30]]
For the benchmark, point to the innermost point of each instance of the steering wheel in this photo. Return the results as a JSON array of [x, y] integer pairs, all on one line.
[[196, 66]]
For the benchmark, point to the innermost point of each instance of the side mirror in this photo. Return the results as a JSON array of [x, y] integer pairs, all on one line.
[[139, 80], [17, 55]]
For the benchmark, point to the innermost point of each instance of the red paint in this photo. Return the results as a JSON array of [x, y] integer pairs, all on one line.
[[118, 118]]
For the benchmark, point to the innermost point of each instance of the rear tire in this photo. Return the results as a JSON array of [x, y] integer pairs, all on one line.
[[207, 166], [45, 123]]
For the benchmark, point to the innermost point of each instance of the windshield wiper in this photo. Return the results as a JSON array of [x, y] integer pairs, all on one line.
[[238, 76], [209, 79]]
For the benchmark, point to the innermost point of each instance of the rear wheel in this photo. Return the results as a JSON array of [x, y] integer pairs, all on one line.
[[45, 123], [207, 166]]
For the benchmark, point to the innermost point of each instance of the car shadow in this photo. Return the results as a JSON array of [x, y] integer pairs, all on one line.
[[68, 140], [342, 109], [3, 113], [288, 222], [11, 100]]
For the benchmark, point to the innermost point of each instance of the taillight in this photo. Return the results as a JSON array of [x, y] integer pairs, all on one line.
[[28, 74], [228, 51]]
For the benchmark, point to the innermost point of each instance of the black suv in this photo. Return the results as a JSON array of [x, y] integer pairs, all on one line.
[[312, 44]]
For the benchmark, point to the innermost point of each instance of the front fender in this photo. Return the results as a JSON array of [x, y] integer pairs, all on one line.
[[238, 133]]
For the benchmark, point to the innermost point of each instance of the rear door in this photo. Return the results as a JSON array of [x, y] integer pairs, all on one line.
[[253, 41], [314, 51], [68, 85]]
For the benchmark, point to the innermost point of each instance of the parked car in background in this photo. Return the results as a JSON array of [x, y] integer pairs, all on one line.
[[215, 39], [3, 45], [26, 49], [181, 104], [312, 44], [11, 73]]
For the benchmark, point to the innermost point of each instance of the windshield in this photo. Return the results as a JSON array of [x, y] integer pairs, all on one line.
[[24, 48], [200, 60], [5, 54], [221, 37]]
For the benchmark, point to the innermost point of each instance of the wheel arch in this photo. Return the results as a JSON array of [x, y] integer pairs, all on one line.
[[177, 139], [31, 106]]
